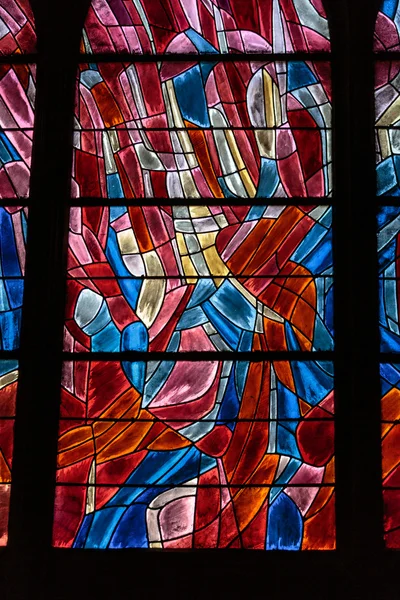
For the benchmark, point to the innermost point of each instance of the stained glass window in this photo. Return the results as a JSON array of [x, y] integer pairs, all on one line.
[[17, 104], [197, 395]]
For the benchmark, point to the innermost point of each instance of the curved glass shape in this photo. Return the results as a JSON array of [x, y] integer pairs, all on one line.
[[387, 29]]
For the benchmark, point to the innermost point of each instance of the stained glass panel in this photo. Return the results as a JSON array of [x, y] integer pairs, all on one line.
[[390, 381], [215, 454], [12, 269], [8, 391], [387, 27], [17, 108], [205, 26], [387, 103], [17, 104], [389, 279], [387, 108], [192, 278], [17, 27], [210, 130], [12, 257]]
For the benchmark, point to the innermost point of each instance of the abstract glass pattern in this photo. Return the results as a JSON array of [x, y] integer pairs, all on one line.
[[8, 391], [387, 107], [205, 26], [203, 130], [17, 108], [388, 248], [178, 429], [17, 27], [17, 104], [215, 454], [390, 382], [387, 28], [200, 278], [13, 222]]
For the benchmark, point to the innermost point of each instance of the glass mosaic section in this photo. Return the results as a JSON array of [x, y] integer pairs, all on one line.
[[17, 28], [387, 102], [387, 27], [203, 130], [214, 454], [13, 222], [17, 108], [8, 392], [199, 278], [12, 269], [390, 381], [388, 253], [17, 120], [205, 27]]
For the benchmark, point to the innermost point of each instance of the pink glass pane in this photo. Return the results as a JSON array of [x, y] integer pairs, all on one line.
[[17, 27], [17, 105]]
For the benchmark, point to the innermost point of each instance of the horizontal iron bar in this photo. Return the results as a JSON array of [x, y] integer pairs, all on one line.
[[23, 202], [9, 354], [198, 277], [390, 357], [20, 59], [382, 201], [92, 420], [201, 129], [327, 356], [210, 485], [127, 57], [77, 58], [386, 56], [294, 201]]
